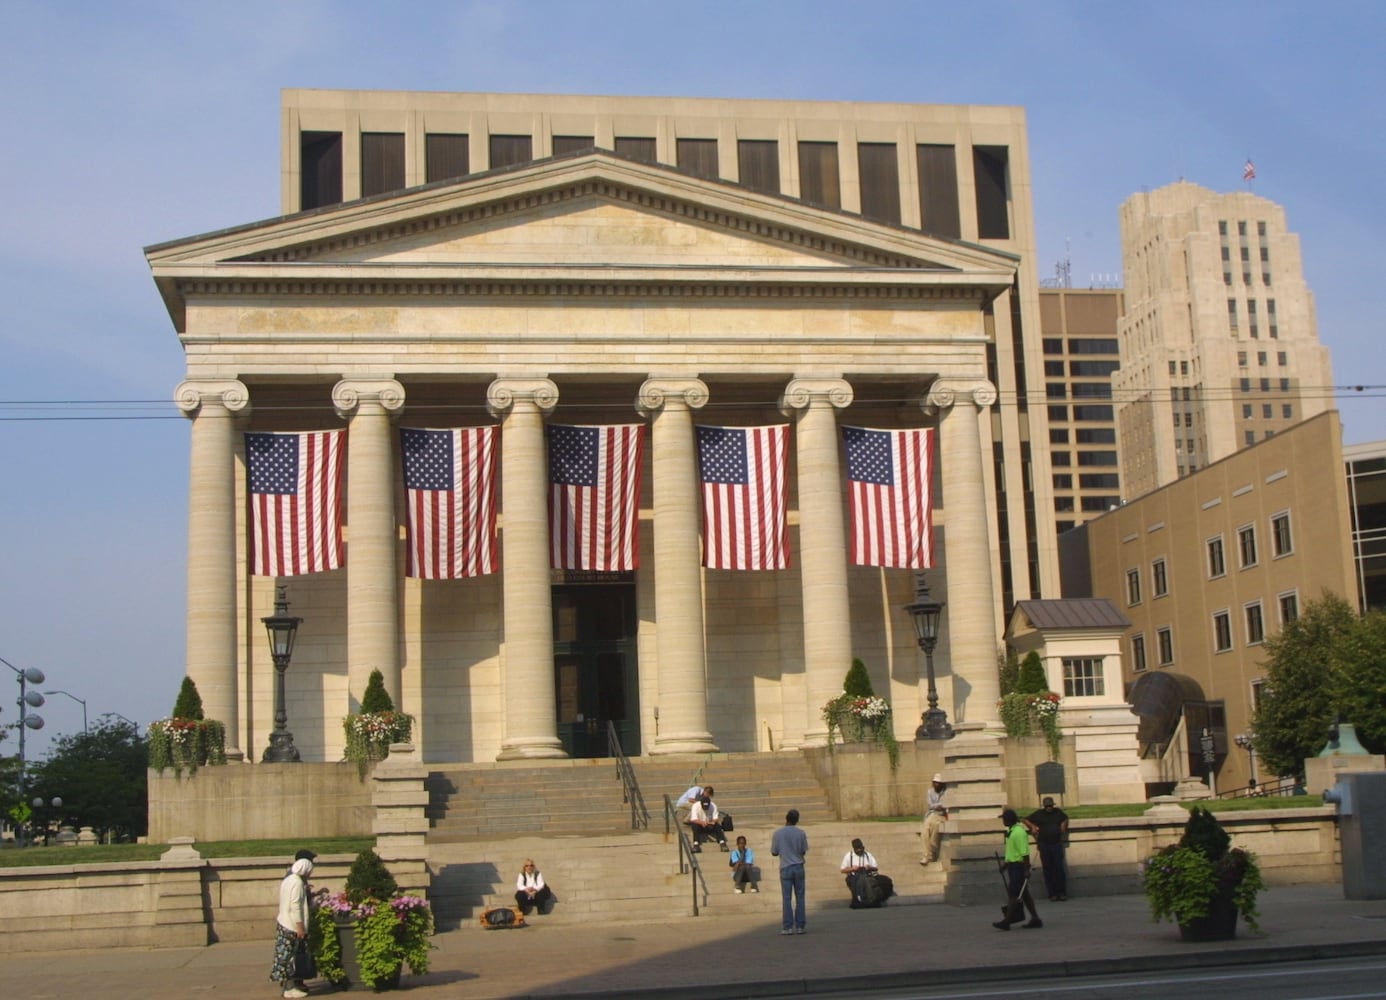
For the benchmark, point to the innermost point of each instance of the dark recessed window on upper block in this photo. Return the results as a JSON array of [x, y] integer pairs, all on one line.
[[759, 163], [818, 174], [446, 154], [320, 169], [382, 162], [564, 144], [938, 190], [508, 150], [879, 171], [637, 147], [990, 169], [698, 157]]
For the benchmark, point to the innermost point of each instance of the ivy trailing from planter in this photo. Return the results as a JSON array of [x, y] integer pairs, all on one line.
[[370, 731], [185, 740]]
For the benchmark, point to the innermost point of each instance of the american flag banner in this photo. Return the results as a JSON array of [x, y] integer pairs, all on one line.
[[744, 498], [450, 492], [1249, 171], [888, 475], [294, 489], [594, 496]]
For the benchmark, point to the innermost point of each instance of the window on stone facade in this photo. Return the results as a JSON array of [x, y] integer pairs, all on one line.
[[1083, 677], [1282, 544], [818, 174], [990, 166], [382, 162], [1164, 638], [697, 157], [320, 169], [446, 155], [509, 150], [1217, 562], [1222, 631], [563, 145], [637, 147], [1246, 545], [1138, 652], [938, 190], [1289, 607], [759, 163], [879, 170], [1255, 624], [1133, 586], [1159, 578]]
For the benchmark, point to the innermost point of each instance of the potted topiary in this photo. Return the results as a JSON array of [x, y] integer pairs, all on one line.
[[370, 731], [1029, 705], [185, 740], [367, 933], [1202, 883], [860, 715]]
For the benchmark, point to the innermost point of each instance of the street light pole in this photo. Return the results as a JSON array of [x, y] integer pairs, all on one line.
[[282, 629], [925, 614], [1247, 741], [83, 702], [27, 700]]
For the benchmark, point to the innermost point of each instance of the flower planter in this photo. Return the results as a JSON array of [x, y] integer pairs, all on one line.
[[1219, 925], [351, 965]]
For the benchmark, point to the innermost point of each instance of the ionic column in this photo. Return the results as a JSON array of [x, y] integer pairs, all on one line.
[[213, 406], [822, 543], [531, 718], [373, 638], [678, 576], [971, 600]]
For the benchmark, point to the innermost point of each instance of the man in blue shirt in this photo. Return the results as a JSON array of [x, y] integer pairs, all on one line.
[[790, 844], [744, 870]]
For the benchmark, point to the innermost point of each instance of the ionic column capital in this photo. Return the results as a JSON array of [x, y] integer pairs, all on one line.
[[944, 393], [350, 394], [801, 393], [656, 393], [504, 393], [229, 393]]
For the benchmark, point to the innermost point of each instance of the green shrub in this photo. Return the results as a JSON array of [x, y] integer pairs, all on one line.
[[369, 878], [189, 703], [1032, 679], [858, 681], [376, 698]]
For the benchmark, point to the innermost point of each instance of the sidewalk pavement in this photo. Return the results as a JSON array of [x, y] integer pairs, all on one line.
[[745, 955]]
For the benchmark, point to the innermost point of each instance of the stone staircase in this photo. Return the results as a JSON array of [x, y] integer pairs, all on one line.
[[567, 815], [634, 878]]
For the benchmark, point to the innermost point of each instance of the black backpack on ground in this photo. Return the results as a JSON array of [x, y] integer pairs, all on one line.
[[870, 890]]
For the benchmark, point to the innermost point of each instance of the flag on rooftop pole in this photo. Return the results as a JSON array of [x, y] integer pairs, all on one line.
[[742, 470], [294, 491], [1249, 171], [450, 493], [888, 478], [594, 496]]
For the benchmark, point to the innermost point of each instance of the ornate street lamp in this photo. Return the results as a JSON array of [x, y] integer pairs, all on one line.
[[282, 629], [55, 803], [1247, 741], [27, 699], [925, 614]]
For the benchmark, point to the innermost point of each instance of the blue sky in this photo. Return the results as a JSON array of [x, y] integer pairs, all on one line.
[[127, 124]]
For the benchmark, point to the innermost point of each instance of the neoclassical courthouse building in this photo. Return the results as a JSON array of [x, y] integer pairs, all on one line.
[[469, 260]]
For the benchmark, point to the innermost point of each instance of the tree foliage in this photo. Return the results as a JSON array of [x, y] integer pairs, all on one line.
[[376, 698], [1032, 678], [1008, 670], [100, 776], [857, 682], [1328, 663], [189, 703]]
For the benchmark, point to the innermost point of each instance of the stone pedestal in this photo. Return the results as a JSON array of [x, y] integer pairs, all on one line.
[[399, 796]]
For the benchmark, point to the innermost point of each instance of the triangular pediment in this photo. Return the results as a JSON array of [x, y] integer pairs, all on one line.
[[588, 214]]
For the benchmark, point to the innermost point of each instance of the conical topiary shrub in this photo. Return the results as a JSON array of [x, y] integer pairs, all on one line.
[[369, 878], [1032, 678], [189, 703], [376, 698], [857, 684]]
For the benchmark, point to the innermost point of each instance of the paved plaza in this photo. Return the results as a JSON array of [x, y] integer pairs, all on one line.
[[744, 955]]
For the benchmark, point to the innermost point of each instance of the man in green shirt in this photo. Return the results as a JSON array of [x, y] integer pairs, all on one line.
[[1017, 872]]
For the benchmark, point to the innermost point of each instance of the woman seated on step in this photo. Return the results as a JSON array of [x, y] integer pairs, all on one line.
[[706, 822], [530, 890]]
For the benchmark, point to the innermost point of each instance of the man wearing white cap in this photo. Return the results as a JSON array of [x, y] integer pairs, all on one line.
[[935, 813]]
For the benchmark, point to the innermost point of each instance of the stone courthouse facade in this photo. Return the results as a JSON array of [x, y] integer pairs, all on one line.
[[468, 260]]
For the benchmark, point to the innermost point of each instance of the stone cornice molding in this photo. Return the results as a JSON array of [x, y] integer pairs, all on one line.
[[193, 394], [504, 394], [944, 393], [350, 394], [800, 393], [656, 393]]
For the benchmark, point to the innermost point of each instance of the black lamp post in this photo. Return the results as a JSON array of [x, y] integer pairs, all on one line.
[[926, 613], [282, 629]]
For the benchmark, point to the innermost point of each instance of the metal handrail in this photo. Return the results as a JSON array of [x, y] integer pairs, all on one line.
[[688, 861], [625, 774]]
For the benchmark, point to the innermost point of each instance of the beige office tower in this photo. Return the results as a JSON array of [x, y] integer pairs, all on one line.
[[1219, 344]]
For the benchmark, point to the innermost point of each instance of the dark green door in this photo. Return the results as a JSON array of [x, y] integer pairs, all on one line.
[[595, 667]]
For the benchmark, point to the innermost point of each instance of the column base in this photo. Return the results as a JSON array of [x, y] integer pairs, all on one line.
[[533, 750], [684, 743]]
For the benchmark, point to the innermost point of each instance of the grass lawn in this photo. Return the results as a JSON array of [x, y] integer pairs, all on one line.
[[29, 857]]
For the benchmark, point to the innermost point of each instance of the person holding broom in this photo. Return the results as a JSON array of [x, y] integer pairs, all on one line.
[[1016, 873]]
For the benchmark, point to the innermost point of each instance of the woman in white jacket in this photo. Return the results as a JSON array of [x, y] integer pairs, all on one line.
[[292, 924], [530, 890]]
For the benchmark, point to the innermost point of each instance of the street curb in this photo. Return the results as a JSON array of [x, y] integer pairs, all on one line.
[[972, 975]]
